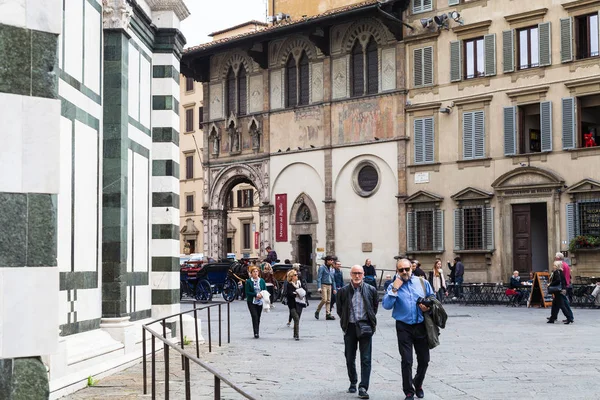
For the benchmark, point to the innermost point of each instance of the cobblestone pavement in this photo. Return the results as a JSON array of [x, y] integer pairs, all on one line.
[[486, 353]]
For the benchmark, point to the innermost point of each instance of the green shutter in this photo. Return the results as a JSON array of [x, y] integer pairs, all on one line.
[[410, 231], [455, 61], [438, 230], [453, 2], [458, 229], [467, 135], [428, 140], [568, 123], [489, 54], [546, 125], [488, 228], [418, 67], [510, 131], [419, 139], [508, 51], [479, 134], [428, 66], [566, 42], [545, 44]]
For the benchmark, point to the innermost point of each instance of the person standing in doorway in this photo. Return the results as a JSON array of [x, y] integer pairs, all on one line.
[[255, 285], [404, 297], [459, 272], [357, 308], [325, 286]]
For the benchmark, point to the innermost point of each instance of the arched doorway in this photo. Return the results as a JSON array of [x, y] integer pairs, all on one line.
[[303, 222], [218, 188]]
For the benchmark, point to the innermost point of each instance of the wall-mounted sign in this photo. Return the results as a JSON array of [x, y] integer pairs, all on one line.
[[422, 177], [281, 218], [256, 239]]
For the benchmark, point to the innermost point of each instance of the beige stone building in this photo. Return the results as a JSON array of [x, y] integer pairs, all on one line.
[[501, 97]]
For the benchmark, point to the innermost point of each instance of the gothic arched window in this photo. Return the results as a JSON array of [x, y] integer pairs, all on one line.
[[231, 101], [236, 92], [297, 81], [364, 69]]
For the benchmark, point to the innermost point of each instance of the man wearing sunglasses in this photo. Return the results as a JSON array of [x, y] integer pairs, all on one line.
[[402, 297]]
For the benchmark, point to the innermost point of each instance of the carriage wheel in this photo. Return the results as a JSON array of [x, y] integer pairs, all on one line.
[[229, 291], [203, 291]]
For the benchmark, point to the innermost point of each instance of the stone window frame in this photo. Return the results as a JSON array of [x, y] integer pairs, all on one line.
[[193, 196], [419, 202], [355, 184], [470, 198], [584, 191], [421, 111], [246, 220], [295, 46], [470, 104], [235, 61]]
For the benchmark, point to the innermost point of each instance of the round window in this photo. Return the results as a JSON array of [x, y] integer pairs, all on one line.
[[366, 179]]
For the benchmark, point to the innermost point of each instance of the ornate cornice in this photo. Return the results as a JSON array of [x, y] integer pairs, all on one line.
[[116, 14], [177, 6]]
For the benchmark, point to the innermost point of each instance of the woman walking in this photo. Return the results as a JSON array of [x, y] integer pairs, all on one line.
[[559, 283], [254, 285], [437, 280], [270, 281], [296, 300]]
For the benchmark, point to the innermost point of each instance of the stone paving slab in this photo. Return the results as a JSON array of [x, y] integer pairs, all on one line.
[[486, 353]]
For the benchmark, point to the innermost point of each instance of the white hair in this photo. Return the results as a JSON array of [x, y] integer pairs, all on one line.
[[559, 256]]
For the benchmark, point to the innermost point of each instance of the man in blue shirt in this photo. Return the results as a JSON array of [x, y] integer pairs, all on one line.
[[325, 286], [401, 297]]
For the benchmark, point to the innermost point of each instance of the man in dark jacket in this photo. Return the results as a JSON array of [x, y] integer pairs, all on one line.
[[459, 272], [357, 304]]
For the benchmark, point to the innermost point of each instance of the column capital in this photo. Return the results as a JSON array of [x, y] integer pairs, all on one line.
[[116, 14]]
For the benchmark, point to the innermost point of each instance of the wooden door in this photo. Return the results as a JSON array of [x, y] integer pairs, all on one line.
[[522, 238]]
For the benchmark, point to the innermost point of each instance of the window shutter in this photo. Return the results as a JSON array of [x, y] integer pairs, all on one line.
[[417, 6], [239, 198], [419, 133], [488, 228], [510, 131], [568, 123], [428, 139], [230, 93], [251, 197], [566, 43], [458, 229], [479, 134], [428, 66], [242, 90], [304, 79], [467, 135], [546, 125], [357, 67], [545, 44], [570, 222], [508, 50], [418, 67], [427, 5], [438, 230], [291, 88], [453, 2], [455, 61], [189, 120], [489, 54], [372, 67], [410, 231]]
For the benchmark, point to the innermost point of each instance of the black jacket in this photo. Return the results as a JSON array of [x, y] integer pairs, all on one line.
[[558, 278], [419, 272], [344, 302]]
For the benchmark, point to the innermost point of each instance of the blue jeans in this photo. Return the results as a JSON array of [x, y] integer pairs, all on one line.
[[351, 342], [458, 281]]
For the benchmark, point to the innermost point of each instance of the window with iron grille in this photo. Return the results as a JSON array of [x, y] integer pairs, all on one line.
[[583, 216], [474, 228], [189, 202], [189, 167], [364, 69], [189, 120], [425, 229]]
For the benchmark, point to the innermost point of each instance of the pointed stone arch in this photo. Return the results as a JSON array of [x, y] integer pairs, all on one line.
[[362, 30], [304, 219], [236, 60], [295, 45], [303, 201]]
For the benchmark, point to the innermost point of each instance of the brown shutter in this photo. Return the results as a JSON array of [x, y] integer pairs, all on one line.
[[357, 67], [372, 68], [291, 90], [304, 79]]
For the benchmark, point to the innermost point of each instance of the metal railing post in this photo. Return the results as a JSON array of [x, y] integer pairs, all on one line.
[[217, 388], [196, 329], [188, 394], [181, 338], [219, 325], [144, 358], [166, 356], [209, 335], [164, 324], [153, 367], [228, 324]]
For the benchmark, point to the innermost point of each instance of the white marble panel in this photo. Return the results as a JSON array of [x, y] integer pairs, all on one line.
[[93, 48], [13, 12], [165, 151], [29, 309], [163, 310], [141, 213], [41, 152], [164, 280], [129, 262], [143, 298], [134, 83], [165, 119], [163, 216], [139, 137], [83, 102], [165, 19], [11, 161], [339, 77], [145, 96], [140, 44], [216, 104], [63, 307], [165, 59], [388, 69], [165, 184], [74, 39], [165, 248], [256, 94], [44, 15], [88, 304], [86, 197], [64, 196], [165, 87], [276, 94], [316, 82]]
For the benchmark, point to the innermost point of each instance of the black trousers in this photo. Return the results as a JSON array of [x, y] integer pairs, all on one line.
[[255, 312], [410, 336], [561, 302], [351, 342]]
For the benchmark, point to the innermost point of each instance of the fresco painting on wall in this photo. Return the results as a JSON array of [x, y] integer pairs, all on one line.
[[305, 128], [365, 120]]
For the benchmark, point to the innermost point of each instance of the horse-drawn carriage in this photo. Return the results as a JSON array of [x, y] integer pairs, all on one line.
[[280, 273], [202, 281]]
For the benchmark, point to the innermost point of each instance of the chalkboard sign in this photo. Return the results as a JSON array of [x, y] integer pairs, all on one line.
[[539, 292]]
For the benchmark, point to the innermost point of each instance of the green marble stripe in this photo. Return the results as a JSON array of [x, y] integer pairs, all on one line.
[[141, 50], [139, 149], [28, 62], [165, 296], [165, 264], [78, 280], [79, 327], [138, 315], [137, 278], [165, 71], [166, 199], [165, 135], [169, 40], [165, 103], [142, 27], [29, 237], [72, 112], [139, 126], [165, 168], [165, 231], [96, 5], [80, 86]]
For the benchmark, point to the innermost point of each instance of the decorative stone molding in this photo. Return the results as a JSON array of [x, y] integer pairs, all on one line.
[[303, 210], [527, 16], [234, 134], [177, 6], [235, 61], [584, 186], [528, 181], [423, 196], [295, 45], [580, 4], [214, 135], [189, 231], [472, 194], [362, 30], [116, 14], [255, 133], [472, 29]]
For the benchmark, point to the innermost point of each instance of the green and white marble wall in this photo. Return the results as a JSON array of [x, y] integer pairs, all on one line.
[[29, 185]]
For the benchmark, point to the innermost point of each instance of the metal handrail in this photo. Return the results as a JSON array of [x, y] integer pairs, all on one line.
[[186, 356]]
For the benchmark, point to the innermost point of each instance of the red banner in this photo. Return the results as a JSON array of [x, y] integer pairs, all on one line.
[[281, 218], [256, 239]]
